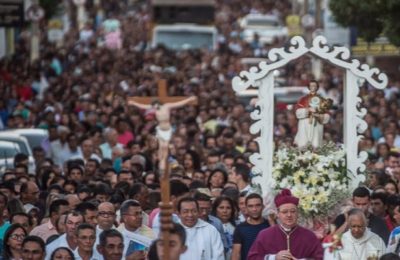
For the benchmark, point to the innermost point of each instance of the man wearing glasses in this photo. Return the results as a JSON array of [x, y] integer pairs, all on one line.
[[86, 237], [105, 219], [137, 237], [286, 240], [359, 242]]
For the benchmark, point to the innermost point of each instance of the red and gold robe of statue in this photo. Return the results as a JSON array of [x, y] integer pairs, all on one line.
[[310, 129]]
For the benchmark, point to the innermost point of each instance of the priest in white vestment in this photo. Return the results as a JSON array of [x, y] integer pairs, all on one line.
[[359, 242]]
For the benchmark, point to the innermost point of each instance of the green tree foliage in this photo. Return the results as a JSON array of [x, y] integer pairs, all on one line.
[[370, 17]]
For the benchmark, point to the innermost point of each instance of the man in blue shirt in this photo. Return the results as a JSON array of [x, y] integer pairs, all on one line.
[[246, 232]]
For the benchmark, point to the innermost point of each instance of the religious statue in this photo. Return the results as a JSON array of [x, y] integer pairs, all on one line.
[[312, 113], [162, 112]]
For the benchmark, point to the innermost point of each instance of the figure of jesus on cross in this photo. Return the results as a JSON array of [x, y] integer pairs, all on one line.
[[162, 106], [162, 111]]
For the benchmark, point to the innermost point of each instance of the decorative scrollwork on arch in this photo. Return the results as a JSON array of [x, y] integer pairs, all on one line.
[[263, 116]]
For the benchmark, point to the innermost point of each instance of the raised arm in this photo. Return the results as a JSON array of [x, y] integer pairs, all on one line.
[[132, 102], [181, 103]]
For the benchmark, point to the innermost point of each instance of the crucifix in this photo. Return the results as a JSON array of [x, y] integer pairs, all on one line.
[[162, 104]]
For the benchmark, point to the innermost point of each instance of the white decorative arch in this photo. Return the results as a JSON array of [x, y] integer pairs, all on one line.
[[261, 77]]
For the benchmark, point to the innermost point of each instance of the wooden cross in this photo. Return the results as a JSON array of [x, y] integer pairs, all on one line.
[[165, 205], [162, 96], [166, 208]]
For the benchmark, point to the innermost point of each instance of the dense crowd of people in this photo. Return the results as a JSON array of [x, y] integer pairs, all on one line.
[[96, 188]]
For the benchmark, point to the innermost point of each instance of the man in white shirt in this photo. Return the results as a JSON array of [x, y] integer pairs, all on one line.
[[86, 236], [73, 150], [240, 175], [137, 237], [59, 146], [105, 219], [203, 240], [72, 221], [111, 136]]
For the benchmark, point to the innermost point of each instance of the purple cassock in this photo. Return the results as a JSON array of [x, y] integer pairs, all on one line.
[[301, 242]]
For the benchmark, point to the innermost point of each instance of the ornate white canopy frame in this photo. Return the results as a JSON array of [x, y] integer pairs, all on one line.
[[261, 77]]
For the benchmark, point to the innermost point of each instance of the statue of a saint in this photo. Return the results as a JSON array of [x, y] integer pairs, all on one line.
[[312, 113]]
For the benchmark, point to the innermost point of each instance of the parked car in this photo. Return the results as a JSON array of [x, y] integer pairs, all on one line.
[[35, 136], [23, 145], [267, 27], [185, 36], [7, 152], [19, 139]]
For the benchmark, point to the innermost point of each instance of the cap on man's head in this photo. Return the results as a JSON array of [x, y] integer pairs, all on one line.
[[285, 197]]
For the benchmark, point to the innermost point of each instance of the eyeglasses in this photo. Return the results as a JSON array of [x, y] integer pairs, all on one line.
[[106, 214], [17, 237]]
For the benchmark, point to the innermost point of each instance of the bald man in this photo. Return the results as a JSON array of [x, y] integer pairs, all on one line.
[[105, 219], [359, 242]]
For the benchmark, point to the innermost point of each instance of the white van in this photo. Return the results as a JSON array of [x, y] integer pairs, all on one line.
[[185, 36]]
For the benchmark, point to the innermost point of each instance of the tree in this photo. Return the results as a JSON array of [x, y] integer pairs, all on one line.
[[370, 17]]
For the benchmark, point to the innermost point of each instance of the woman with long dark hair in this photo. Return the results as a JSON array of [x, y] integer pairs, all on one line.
[[12, 245], [225, 209], [191, 162]]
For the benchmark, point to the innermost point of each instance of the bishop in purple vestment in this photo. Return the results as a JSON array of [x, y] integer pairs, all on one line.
[[286, 240]]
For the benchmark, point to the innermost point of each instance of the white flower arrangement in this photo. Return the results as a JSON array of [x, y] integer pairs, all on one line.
[[318, 178]]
